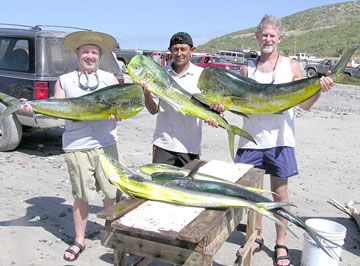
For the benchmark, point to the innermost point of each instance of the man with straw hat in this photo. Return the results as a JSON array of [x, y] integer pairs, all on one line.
[[83, 141]]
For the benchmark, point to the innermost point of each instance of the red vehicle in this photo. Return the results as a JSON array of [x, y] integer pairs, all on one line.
[[215, 61], [162, 58]]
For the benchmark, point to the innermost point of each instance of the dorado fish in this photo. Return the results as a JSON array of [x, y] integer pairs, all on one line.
[[157, 168], [136, 186], [243, 95], [121, 100], [235, 191], [161, 84]]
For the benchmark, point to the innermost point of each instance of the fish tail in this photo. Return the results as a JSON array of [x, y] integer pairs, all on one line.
[[272, 217], [318, 238], [231, 135], [338, 73], [12, 103]]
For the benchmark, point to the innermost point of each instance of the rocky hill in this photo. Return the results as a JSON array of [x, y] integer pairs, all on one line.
[[322, 31]]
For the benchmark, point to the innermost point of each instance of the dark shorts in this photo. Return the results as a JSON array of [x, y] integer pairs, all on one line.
[[179, 159], [279, 162]]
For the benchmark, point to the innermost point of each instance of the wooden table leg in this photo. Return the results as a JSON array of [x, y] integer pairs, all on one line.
[[120, 258]]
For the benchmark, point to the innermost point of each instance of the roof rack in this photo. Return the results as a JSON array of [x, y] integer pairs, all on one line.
[[38, 27]]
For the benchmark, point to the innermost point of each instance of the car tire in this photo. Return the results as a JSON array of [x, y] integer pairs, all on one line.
[[311, 73], [10, 131]]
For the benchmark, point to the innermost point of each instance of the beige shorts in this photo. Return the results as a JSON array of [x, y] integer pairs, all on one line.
[[86, 174]]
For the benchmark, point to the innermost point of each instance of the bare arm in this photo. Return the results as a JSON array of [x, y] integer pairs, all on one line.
[[325, 85], [150, 104]]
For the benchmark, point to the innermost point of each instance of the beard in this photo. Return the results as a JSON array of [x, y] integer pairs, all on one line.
[[267, 49]]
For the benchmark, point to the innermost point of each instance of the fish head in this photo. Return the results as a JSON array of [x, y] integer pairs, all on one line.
[[113, 170], [145, 70], [132, 102], [142, 68]]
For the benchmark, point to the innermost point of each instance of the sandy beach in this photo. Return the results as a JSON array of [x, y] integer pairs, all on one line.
[[36, 223]]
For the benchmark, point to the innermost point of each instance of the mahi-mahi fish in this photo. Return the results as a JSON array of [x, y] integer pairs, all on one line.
[[162, 85], [121, 100], [243, 95], [158, 168], [136, 186]]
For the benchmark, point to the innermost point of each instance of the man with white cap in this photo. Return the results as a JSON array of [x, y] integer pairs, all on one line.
[[83, 141]]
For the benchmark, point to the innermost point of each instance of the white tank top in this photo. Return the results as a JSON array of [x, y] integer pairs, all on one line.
[[86, 135], [270, 130]]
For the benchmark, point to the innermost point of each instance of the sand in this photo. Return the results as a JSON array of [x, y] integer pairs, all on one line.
[[36, 223]]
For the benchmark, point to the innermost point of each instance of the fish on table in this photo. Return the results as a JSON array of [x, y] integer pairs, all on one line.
[[121, 100], [159, 168], [243, 95], [136, 186], [162, 85], [216, 186]]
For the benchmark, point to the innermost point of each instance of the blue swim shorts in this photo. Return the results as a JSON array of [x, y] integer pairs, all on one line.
[[279, 162]]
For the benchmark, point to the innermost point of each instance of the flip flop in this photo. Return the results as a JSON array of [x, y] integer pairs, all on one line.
[[76, 254], [259, 248], [281, 257]]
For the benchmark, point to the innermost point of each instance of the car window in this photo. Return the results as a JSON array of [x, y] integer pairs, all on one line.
[[196, 59], [220, 60], [59, 60], [14, 54]]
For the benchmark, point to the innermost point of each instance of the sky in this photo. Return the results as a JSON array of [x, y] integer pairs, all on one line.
[[149, 24]]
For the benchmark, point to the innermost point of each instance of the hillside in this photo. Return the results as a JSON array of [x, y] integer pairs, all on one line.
[[322, 31]]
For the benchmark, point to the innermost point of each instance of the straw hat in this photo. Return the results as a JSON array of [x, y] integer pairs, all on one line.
[[74, 40]]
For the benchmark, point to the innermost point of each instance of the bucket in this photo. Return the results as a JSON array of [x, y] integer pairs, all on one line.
[[312, 254]]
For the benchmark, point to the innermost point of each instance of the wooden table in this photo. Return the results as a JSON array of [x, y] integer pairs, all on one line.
[[195, 244]]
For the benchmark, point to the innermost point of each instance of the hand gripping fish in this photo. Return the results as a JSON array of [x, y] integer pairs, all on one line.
[[162, 85], [121, 100], [243, 95], [235, 191], [136, 186]]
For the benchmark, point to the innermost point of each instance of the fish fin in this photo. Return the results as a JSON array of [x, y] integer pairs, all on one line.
[[165, 177], [122, 188], [136, 178], [12, 103], [338, 73], [259, 190], [272, 217], [340, 67], [201, 98], [195, 169], [239, 113], [231, 135], [273, 204]]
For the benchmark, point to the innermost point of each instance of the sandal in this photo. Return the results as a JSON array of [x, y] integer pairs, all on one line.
[[76, 254], [260, 241], [286, 257]]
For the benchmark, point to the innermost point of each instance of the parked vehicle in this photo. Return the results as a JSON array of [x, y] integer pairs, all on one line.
[[162, 58], [31, 60], [302, 57], [215, 61], [321, 68], [232, 56], [353, 71]]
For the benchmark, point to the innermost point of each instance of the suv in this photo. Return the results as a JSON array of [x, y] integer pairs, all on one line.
[[232, 56], [31, 60]]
